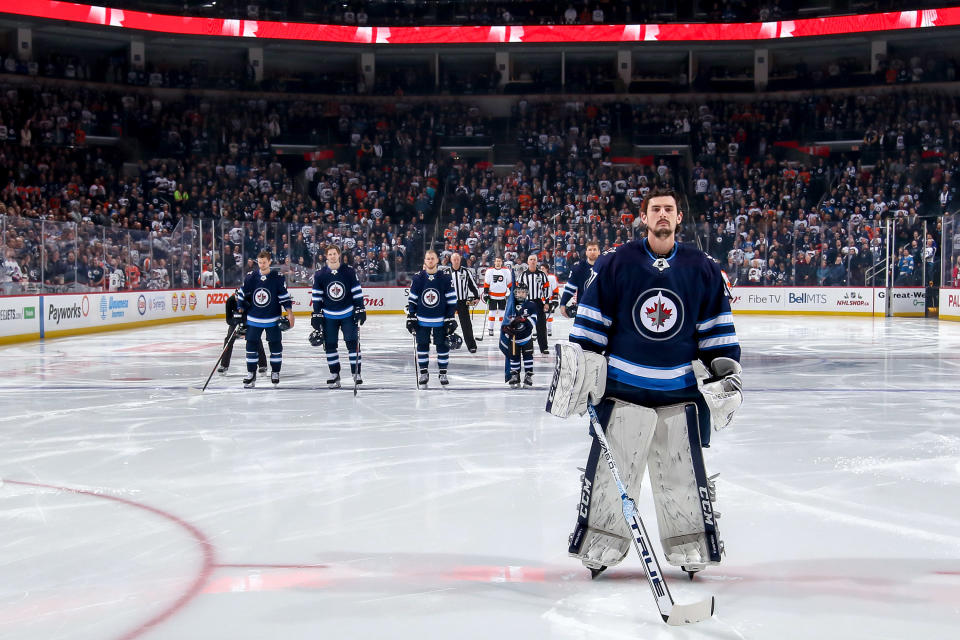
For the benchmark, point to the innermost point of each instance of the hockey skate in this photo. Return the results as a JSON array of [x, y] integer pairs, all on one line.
[[263, 368], [222, 370], [357, 379], [444, 380], [514, 380], [528, 379], [275, 378], [423, 379], [250, 380], [333, 382], [595, 570], [490, 331]]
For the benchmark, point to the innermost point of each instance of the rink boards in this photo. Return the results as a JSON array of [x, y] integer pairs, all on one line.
[[55, 315]]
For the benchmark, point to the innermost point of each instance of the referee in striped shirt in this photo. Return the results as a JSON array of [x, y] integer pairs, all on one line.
[[467, 295], [539, 288]]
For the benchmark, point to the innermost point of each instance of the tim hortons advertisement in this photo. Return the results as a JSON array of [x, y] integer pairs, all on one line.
[[950, 304]]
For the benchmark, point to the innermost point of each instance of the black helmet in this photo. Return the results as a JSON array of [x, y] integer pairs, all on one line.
[[455, 341], [520, 292]]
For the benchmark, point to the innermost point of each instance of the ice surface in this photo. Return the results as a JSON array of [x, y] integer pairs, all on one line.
[[133, 509]]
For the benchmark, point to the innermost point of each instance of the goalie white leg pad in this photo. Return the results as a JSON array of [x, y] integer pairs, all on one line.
[[681, 492], [601, 537]]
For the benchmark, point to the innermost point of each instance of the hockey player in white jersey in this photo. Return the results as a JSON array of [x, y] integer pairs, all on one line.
[[651, 315], [497, 282]]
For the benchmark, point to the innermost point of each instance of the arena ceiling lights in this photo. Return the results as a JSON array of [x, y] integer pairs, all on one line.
[[552, 34]]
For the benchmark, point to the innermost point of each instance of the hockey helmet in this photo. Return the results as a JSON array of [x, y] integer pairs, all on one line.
[[455, 341], [520, 292], [315, 338], [284, 323]]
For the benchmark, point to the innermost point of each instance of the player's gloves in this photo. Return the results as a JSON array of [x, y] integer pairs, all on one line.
[[552, 306], [486, 298], [472, 302], [722, 391], [412, 324], [361, 314], [316, 321], [239, 318], [450, 325]]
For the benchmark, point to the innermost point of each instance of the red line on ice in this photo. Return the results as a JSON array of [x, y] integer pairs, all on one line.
[[206, 547]]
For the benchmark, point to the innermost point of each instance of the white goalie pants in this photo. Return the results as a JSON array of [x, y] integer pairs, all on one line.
[[666, 439]]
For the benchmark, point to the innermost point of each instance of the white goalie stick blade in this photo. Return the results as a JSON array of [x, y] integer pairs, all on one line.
[[673, 614], [682, 614]]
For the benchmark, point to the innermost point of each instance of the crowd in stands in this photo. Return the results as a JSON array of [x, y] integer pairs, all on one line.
[[213, 191]]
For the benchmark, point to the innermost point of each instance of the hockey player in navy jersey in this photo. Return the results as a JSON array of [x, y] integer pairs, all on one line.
[[430, 309], [516, 336], [651, 316], [338, 307], [578, 277], [262, 298]]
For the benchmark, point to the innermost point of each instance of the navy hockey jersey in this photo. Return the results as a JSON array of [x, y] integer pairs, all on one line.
[[432, 298], [578, 277], [262, 297], [336, 293], [527, 312], [651, 317]]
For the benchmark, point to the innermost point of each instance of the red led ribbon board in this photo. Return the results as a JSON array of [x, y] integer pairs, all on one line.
[[263, 29]]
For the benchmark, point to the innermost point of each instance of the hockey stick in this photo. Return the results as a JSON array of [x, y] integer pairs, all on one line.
[[357, 374], [483, 329], [227, 345], [416, 362], [673, 614]]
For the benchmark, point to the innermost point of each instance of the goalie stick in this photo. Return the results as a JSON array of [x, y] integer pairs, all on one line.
[[227, 345], [673, 614]]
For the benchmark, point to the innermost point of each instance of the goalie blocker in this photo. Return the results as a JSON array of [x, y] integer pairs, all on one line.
[[667, 439]]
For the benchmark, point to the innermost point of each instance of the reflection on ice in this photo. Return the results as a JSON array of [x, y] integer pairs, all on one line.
[[132, 508]]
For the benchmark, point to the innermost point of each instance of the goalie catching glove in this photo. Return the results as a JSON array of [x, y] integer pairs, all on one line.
[[579, 376], [721, 388]]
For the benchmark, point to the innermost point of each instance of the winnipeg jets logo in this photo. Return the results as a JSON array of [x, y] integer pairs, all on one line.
[[431, 297], [658, 314], [261, 297], [335, 291]]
